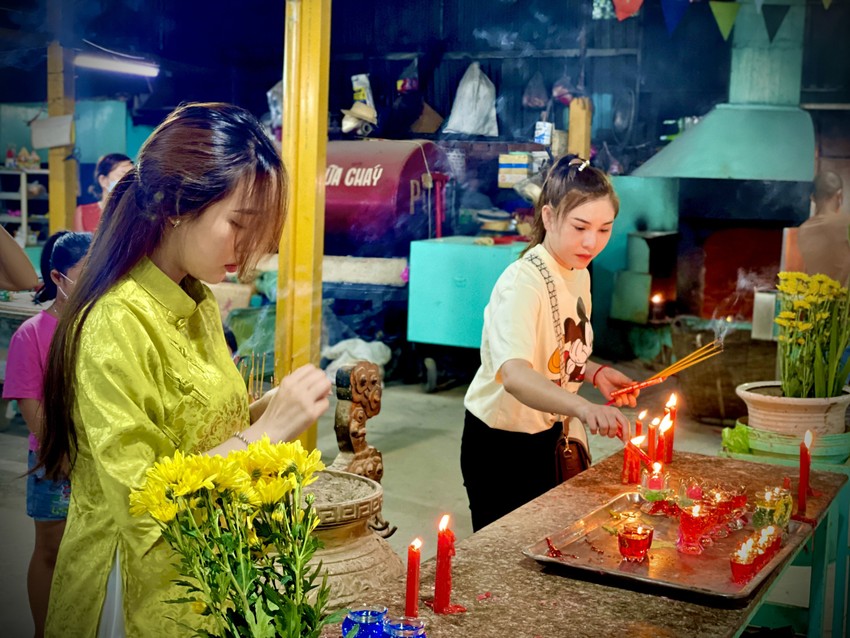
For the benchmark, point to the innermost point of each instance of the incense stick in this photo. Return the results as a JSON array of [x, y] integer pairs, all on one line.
[[697, 356]]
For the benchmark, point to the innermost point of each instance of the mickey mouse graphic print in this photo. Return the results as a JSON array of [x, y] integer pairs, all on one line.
[[518, 325]]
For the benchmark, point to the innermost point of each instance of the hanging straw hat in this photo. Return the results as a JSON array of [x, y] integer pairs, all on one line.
[[362, 111]]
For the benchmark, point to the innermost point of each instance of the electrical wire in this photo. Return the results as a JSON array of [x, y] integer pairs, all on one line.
[[111, 52]]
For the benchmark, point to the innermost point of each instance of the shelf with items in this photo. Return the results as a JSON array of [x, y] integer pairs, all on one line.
[[28, 188]]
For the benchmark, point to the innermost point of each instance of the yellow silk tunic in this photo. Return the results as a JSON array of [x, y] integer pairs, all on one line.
[[153, 375]]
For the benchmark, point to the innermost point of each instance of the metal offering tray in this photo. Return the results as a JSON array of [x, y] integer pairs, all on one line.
[[590, 544]]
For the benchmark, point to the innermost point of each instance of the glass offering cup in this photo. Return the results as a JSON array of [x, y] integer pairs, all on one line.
[[694, 521], [739, 507], [721, 500], [634, 540], [404, 627], [369, 620]]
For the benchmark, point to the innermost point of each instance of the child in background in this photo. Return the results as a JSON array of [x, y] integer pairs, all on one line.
[[47, 500], [535, 350]]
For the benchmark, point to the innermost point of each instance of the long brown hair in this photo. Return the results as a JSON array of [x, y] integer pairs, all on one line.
[[571, 182], [198, 156]]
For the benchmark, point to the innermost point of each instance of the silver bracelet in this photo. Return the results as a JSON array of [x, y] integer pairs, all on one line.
[[241, 437]]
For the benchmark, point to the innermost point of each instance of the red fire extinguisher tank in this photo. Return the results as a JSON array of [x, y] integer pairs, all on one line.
[[379, 196]]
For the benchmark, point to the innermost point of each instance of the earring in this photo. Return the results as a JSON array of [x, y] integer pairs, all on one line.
[[175, 222]]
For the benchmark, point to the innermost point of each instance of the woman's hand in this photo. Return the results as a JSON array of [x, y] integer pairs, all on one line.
[[605, 420], [608, 380], [299, 400]]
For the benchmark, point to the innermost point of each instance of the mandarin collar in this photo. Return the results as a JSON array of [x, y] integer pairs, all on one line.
[[179, 301]]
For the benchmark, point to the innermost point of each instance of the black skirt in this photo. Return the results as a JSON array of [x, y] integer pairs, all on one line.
[[504, 470]]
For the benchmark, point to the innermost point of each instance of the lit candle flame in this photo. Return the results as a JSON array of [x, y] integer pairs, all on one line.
[[656, 298], [417, 543], [656, 468], [671, 402], [639, 529], [638, 440], [444, 522], [808, 438], [666, 423], [642, 415], [696, 510], [655, 421]]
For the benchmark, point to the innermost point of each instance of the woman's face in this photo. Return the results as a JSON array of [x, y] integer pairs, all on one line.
[[108, 182], [575, 239], [206, 246]]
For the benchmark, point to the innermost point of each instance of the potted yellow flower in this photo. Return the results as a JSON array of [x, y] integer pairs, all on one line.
[[242, 528], [814, 335]]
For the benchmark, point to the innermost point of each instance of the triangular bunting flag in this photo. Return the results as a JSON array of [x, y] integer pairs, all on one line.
[[758, 5], [826, 3], [674, 11], [725, 14], [773, 16], [626, 8]]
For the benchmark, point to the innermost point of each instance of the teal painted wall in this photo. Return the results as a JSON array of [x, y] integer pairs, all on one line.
[[101, 129], [646, 203], [102, 126], [136, 136], [14, 129]]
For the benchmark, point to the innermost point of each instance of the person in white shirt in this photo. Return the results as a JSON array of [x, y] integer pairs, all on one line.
[[535, 350]]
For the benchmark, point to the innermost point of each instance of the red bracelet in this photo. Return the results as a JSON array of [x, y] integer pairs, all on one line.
[[595, 374]]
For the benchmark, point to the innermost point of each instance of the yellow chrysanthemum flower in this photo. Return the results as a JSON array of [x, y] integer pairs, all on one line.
[[169, 469], [272, 490], [164, 512]]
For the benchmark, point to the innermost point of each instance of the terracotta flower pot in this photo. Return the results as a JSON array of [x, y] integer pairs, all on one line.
[[769, 410]]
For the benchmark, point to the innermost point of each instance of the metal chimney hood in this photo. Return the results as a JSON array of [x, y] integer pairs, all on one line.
[[741, 141], [761, 134]]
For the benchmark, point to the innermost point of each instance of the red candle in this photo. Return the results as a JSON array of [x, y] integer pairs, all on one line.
[[642, 456], [665, 440], [670, 410], [411, 598], [805, 467], [445, 551], [652, 439], [656, 478], [631, 461], [639, 423]]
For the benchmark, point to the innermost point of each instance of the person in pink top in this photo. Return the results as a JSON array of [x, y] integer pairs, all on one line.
[[47, 501]]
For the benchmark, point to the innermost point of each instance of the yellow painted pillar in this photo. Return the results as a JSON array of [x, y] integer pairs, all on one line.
[[581, 114], [306, 61], [62, 182]]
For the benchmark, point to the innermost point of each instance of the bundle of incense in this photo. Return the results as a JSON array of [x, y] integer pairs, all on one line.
[[697, 356], [254, 373]]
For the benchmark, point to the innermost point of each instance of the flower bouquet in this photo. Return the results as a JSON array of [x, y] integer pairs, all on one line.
[[242, 529], [814, 333]]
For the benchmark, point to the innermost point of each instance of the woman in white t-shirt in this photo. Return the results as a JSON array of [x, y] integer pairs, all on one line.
[[539, 316]]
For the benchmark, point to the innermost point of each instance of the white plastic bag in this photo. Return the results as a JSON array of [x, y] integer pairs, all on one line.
[[353, 350], [474, 109]]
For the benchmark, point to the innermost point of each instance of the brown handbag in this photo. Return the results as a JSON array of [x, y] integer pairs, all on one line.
[[571, 458]]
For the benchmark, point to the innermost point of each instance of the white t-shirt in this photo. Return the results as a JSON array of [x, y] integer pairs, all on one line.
[[518, 325]]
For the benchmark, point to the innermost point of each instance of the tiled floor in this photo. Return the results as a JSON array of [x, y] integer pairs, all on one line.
[[419, 436]]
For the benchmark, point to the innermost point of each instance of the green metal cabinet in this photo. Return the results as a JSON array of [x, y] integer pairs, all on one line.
[[450, 284]]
